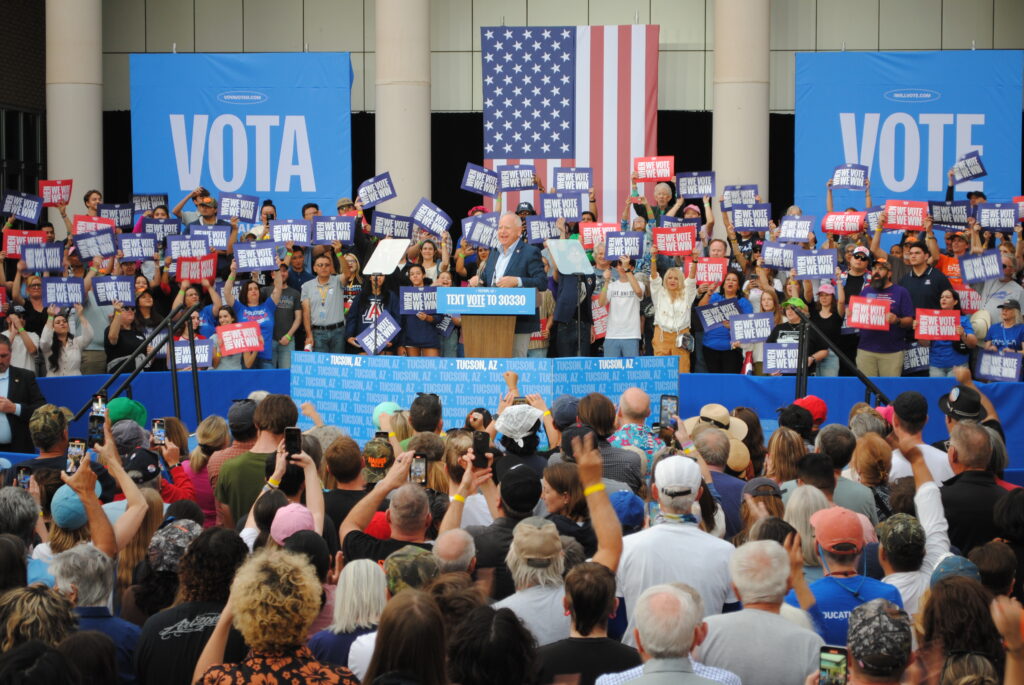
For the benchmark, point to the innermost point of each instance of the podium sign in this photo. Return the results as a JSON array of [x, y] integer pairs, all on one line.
[[490, 301]]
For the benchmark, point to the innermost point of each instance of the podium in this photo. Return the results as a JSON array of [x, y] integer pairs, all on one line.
[[488, 316]]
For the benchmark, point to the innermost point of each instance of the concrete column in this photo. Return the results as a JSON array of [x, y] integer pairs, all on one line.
[[403, 99], [740, 139], [74, 97]]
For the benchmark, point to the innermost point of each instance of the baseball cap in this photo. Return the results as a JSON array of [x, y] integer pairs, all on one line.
[[379, 457], [861, 250], [48, 424], [344, 202], [168, 544], [826, 289], [128, 436], [883, 261], [901, 533], [630, 510], [240, 415], [289, 520], [564, 411], [1009, 304], [815, 405], [691, 207], [957, 234], [519, 489], [410, 567], [67, 509], [794, 302], [126, 408], [955, 566], [962, 404], [142, 465], [525, 207], [383, 408], [474, 210], [536, 541], [760, 486], [677, 476], [879, 637], [910, 406], [838, 530]]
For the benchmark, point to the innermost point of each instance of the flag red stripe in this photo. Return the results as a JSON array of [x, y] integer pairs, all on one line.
[[623, 125], [596, 113]]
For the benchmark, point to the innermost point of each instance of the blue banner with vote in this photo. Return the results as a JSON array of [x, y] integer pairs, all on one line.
[[908, 117], [271, 125], [346, 388], [506, 301]]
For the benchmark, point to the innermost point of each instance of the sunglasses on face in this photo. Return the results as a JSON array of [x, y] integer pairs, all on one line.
[[860, 256]]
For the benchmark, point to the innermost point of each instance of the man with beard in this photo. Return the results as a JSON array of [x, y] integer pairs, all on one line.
[[880, 353]]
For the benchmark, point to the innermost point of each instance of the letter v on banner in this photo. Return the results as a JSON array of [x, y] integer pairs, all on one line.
[[257, 124]]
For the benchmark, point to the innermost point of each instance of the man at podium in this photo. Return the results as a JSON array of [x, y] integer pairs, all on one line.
[[515, 264]]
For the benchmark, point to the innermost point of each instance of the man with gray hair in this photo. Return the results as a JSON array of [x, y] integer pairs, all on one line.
[[455, 551], [969, 498], [85, 575], [408, 514], [675, 549], [760, 576], [714, 445], [667, 627]]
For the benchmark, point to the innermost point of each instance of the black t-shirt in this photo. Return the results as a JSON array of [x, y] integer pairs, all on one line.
[[359, 545], [35, 320], [338, 503], [591, 657], [173, 639], [127, 340], [831, 327], [855, 284]]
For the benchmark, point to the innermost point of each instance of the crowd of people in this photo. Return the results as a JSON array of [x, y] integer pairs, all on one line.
[[319, 298], [535, 543]]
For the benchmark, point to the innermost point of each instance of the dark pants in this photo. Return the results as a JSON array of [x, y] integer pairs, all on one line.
[[699, 363], [572, 339], [729, 361]]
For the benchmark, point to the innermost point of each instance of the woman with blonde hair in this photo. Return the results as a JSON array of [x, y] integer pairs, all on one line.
[[138, 546], [212, 435], [672, 297], [805, 501], [358, 603], [785, 448], [872, 460]]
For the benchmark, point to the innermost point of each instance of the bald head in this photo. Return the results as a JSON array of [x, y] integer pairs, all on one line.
[[635, 405], [509, 228]]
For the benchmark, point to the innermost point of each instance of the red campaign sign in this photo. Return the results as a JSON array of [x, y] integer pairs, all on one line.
[[3, 302], [655, 168], [868, 314], [592, 234], [937, 324], [843, 223], [905, 215], [1020, 206], [83, 223], [970, 300], [536, 336], [196, 269], [675, 240], [236, 338], [600, 316], [710, 269], [55, 193], [14, 239]]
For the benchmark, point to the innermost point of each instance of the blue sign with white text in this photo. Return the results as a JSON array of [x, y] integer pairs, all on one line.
[[270, 125], [908, 117]]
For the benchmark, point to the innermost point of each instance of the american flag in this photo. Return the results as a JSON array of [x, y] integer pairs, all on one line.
[[582, 96]]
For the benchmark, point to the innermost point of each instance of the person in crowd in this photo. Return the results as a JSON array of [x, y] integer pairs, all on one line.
[[621, 464], [410, 642], [250, 308], [85, 576], [274, 598], [455, 552], [243, 437], [622, 298], [1009, 519], [34, 312], [211, 436], [19, 397], [879, 643], [945, 355], [123, 336], [562, 494], [63, 351], [804, 503], [872, 462], [1007, 336], [969, 497], [880, 353], [673, 298], [827, 314], [785, 449], [240, 479], [323, 306], [358, 602], [155, 582], [631, 417], [713, 445], [754, 438], [910, 415], [953, 603], [924, 283], [230, 362], [35, 612], [492, 646], [518, 425], [718, 352], [995, 291], [381, 296], [93, 654], [997, 565], [344, 462], [788, 331], [668, 626], [419, 336]]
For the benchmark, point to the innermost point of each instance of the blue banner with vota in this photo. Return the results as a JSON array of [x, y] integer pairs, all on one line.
[[270, 125], [346, 388], [908, 117]]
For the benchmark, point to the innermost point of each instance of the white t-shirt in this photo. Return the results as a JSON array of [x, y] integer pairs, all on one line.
[[623, 312], [360, 654], [475, 511], [541, 609], [936, 459]]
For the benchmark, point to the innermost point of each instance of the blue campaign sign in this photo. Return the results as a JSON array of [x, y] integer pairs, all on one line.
[[346, 388], [486, 301], [908, 117], [477, 179], [272, 125]]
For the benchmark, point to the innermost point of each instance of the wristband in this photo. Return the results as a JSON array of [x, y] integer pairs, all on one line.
[[21, 330], [273, 483], [391, 434], [339, 255], [288, 336], [591, 489], [546, 413], [459, 498], [287, 254]]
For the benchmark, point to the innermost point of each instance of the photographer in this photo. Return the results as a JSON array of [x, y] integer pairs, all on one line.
[[622, 298]]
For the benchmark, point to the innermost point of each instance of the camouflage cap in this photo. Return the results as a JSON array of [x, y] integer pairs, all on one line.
[[47, 424], [169, 543], [410, 566], [379, 457], [879, 638], [901, 533]]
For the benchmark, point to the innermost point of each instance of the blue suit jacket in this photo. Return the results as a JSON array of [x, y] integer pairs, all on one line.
[[527, 265]]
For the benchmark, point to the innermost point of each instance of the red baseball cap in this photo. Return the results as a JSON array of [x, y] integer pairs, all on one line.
[[815, 405], [838, 530]]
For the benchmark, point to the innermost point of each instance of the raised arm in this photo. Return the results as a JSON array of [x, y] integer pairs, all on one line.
[[181, 204], [83, 482], [602, 516], [362, 513], [828, 196], [472, 480], [867, 193]]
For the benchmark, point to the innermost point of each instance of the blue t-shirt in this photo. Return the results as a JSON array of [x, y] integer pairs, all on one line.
[[1004, 337], [837, 597], [718, 339], [942, 355], [263, 314], [207, 321]]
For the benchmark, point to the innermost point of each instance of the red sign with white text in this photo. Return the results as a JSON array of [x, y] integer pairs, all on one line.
[[55, 193], [14, 239], [868, 314], [600, 315], [592, 234], [970, 300], [196, 269], [675, 240], [236, 338], [937, 324], [843, 223], [655, 168], [1020, 206], [905, 215], [83, 223]]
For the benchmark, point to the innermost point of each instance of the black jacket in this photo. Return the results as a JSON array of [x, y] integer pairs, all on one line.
[[969, 500]]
